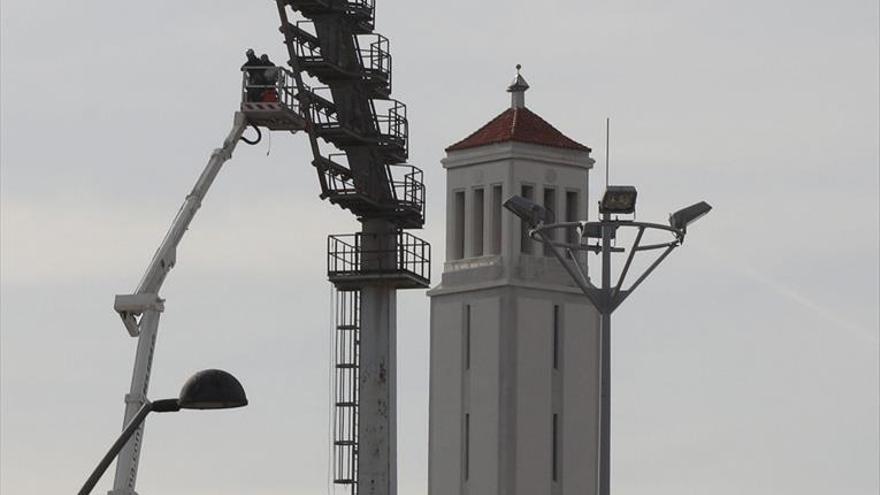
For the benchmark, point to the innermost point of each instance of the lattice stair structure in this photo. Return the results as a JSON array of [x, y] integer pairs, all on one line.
[[338, 90]]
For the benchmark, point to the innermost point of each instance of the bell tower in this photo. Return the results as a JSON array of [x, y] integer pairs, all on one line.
[[514, 387]]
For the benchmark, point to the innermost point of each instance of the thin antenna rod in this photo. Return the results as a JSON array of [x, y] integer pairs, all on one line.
[[607, 150]]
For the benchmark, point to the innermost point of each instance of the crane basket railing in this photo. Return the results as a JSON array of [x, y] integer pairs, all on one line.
[[273, 84]]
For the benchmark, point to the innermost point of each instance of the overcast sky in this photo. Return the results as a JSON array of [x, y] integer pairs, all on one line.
[[747, 364]]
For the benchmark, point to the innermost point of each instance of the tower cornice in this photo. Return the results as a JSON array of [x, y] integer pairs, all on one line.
[[511, 150]]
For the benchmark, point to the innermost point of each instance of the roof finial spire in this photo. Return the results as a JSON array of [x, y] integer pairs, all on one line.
[[517, 90]]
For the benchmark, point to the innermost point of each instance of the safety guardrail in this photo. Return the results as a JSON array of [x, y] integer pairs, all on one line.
[[378, 254], [269, 84]]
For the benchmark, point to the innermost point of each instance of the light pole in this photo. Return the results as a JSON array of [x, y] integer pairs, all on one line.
[[617, 200], [207, 389]]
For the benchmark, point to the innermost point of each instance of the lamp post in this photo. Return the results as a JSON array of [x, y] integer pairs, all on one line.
[[617, 200], [207, 389]]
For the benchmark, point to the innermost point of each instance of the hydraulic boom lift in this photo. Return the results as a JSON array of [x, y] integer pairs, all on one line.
[[141, 309]]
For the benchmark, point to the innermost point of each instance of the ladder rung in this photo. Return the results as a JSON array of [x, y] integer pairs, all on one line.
[[346, 404], [347, 327], [347, 443], [346, 366]]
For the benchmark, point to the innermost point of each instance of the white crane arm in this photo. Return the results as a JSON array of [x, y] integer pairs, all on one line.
[[130, 306], [141, 310]]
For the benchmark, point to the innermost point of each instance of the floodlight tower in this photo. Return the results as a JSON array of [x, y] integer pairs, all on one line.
[[617, 201], [331, 42]]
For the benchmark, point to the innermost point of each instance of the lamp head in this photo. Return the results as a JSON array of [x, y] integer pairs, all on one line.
[[212, 389], [530, 212], [619, 199], [686, 216]]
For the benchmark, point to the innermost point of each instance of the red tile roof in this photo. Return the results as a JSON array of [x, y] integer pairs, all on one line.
[[520, 125]]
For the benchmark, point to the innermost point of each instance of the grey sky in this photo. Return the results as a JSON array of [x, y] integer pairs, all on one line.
[[747, 364]]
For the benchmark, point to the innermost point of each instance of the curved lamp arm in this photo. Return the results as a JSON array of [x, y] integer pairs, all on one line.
[[167, 405]]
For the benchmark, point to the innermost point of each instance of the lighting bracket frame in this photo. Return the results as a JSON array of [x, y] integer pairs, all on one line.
[[605, 301]]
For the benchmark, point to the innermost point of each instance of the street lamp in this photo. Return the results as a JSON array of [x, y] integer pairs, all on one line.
[[207, 389], [606, 298]]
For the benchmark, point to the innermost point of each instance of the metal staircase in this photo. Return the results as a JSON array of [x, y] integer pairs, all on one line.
[[332, 42]]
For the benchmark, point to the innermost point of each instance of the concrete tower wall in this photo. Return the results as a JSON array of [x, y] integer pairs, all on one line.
[[514, 391], [504, 400]]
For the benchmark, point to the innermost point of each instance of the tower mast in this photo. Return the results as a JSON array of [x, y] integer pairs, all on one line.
[[334, 43]]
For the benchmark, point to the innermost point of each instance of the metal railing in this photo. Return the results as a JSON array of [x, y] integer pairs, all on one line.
[[390, 120], [409, 186], [323, 116], [361, 8], [340, 180], [364, 13], [407, 183], [269, 85], [307, 48], [399, 252], [375, 58], [373, 51], [393, 125]]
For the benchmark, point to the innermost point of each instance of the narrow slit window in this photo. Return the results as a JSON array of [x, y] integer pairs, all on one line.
[[458, 233], [555, 337], [478, 221], [496, 219], [525, 241], [550, 206], [467, 446], [555, 453], [467, 337]]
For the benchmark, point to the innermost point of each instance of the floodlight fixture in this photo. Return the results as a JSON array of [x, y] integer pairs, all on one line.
[[686, 216], [619, 199], [530, 212]]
